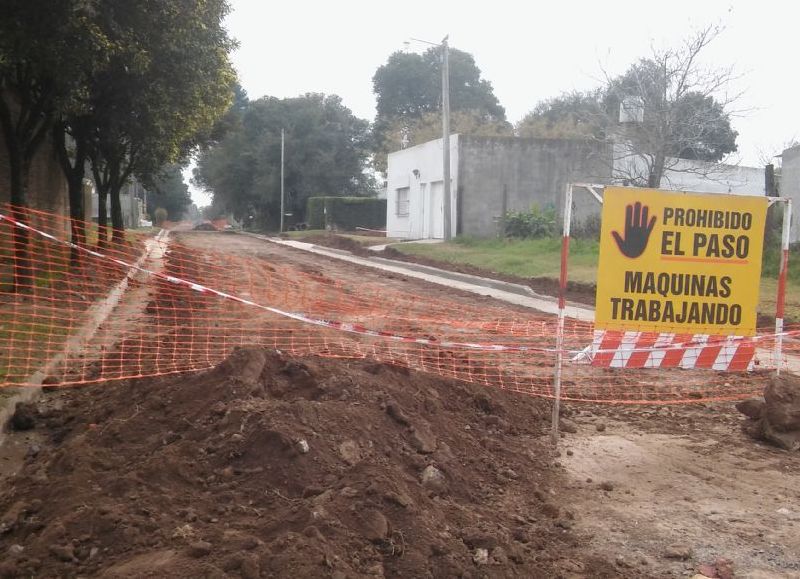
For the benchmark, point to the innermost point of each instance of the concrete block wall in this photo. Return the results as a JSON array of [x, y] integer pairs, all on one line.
[[47, 187], [530, 171]]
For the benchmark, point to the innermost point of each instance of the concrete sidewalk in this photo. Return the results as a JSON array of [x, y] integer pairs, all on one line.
[[508, 292]]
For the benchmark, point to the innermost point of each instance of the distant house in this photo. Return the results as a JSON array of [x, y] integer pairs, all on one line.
[[493, 175], [132, 199]]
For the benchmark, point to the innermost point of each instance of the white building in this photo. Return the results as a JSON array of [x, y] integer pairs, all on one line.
[[493, 175], [790, 185], [415, 190]]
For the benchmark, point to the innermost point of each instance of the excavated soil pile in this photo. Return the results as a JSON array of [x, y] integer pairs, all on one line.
[[270, 466], [776, 417]]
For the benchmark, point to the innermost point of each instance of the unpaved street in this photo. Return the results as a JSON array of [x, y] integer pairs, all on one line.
[[633, 491]]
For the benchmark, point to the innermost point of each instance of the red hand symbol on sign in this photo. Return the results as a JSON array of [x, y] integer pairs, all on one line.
[[637, 230]]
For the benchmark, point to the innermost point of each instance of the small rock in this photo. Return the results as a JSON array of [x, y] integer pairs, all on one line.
[[422, 440], [400, 499], [564, 523], [600, 426], [302, 446], [62, 552], [33, 451], [481, 556], [433, 478], [607, 486], [374, 526], [236, 437], [93, 552], [621, 561], [568, 426], [350, 452], [680, 552], [509, 473], [499, 556], [397, 414], [15, 549], [475, 538], [199, 549], [570, 453]]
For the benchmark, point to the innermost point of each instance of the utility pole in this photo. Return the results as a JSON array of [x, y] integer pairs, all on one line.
[[446, 138], [446, 202], [282, 201]]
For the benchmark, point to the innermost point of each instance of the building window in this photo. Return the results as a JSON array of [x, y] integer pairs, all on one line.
[[401, 210]]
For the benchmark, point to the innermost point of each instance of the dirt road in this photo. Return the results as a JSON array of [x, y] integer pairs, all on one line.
[[635, 491]]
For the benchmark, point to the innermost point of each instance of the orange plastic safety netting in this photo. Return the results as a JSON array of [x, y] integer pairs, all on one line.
[[173, 302]]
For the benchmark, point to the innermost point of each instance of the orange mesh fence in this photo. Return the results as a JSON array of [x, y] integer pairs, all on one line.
[[179, 302]]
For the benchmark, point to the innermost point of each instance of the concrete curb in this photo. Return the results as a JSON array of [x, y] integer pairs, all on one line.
[[505, 291], [96, 315]]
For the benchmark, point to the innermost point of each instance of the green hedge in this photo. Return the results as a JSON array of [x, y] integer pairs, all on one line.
[[346, 213]]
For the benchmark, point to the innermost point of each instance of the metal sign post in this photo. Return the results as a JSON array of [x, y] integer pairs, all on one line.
[[562, 299], [782, 273]]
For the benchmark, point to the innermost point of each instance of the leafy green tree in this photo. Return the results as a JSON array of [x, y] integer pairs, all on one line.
[[167, 85], [47, 49], [574, 115], [170, 192], [401, 133], [409, 89], [326, 152]]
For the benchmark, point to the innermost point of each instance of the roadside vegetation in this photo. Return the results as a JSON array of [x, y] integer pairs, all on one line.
[[542, 258]]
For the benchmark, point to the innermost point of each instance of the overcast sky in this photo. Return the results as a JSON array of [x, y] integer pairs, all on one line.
[[529, 51]]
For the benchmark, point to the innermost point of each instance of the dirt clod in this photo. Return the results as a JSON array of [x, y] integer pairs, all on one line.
[[680, 552], [24, 417], [777, 420], [199, 549], [753, 408], [568, 426]]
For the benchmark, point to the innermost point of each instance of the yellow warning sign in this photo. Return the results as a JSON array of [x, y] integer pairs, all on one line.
[[679, 262]]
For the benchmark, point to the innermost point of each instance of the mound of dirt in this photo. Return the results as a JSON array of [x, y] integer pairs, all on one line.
[[776, 418], [205, 226], [272, 466]]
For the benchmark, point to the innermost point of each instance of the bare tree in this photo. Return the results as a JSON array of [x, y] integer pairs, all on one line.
[[674, 115]]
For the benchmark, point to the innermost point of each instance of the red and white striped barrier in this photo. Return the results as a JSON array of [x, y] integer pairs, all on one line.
[[617, 349]]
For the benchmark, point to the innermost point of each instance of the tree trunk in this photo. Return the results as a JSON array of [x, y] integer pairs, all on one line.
[[76, 215], [117, 224], [24, 130], [656, 171], [102, 217], [23, 268], [74, 169]]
